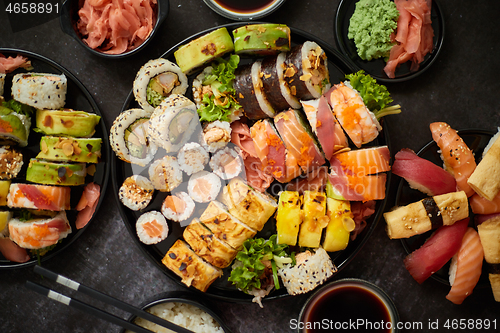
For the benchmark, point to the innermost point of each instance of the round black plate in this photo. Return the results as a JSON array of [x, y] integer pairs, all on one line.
[[376, 67], [476, 140], [77, 98], [221, 288]]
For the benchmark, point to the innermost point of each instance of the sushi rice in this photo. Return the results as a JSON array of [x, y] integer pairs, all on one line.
[[204, 186], [152, 227], [136, 192], [216, 135], [40, 90], [192, 158], [178, 207], [226, 163], [165, 173]]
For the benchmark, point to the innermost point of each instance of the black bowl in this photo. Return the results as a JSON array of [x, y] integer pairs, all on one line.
[[185, 297], [69, 18]]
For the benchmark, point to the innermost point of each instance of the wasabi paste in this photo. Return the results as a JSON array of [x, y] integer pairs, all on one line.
[[371, 26]]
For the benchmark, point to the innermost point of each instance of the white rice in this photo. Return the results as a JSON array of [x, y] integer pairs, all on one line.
[[216, 135], [183, 314], [40, 90], [179, 215], [197, 183], [192, 158], [136, 192], [223, 159], [161, 223], [165, 173]]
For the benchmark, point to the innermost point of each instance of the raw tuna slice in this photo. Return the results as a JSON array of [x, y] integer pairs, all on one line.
[[436, 251], [423, 175]]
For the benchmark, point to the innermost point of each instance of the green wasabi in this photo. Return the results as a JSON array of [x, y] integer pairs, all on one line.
[[371, 26]]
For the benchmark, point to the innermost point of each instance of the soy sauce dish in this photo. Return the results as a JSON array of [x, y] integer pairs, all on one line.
[[70, 18], [347, 305], [244, 10]]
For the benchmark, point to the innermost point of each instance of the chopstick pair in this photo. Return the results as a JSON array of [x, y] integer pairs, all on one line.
[[101, 297]]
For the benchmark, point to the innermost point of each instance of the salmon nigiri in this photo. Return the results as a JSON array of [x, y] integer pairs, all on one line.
[[457, 156], [466, 266], [481, 205]]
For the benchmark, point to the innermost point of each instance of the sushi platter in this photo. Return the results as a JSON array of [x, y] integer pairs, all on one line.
[[78, 98], [476, 140], [222, 288]]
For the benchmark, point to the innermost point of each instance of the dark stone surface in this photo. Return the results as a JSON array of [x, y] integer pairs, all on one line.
[[461, 88]]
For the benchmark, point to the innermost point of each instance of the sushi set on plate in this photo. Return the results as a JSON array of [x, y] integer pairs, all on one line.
[[48, 178]]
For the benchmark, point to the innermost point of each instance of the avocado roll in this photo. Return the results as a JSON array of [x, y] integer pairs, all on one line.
[[50, 173], [86, 150], [128, 137], [262, 39], [40, 90], [156, 80], [306, 71], [14, 127], [66, 122]]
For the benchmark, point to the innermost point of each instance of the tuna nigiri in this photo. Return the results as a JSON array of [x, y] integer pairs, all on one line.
[[457, 157], [466, 267], [436, 251], [55, 198], [421, 174]]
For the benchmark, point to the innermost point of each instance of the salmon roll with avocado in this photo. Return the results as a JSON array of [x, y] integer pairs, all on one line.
[[152, 228], [156, 80]]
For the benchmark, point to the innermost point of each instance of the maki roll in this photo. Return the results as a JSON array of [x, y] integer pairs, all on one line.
[[173, 122], [306, 71], [136, 192], [11, 161], [178, 207], [151, 228], [40, 90], [66, 122], [31, 196], [165, 174], [192, 158], [215, 135], [156, 80], [53, 148], [128, 137], [50, 173], [226, 163], [14, 127], [204, 186]]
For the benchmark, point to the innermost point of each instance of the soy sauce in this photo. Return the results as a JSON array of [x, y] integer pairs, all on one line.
[[338, 307], [244, 6]]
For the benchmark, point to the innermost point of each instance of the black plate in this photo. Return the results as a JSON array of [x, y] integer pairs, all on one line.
[[476, 140], [77, 98], [376, 67], [221, 288]]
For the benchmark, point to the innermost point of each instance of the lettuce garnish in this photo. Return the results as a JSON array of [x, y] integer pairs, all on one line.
[[247, 273], [375, 96], [221, 104]]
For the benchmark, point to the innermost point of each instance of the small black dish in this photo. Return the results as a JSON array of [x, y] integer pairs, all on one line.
[[376, 67], [185, 297], [69, 19]]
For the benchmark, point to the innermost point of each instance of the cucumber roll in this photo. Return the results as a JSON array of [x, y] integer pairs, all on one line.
[[50, 173], [128, 137], [306, 71], [39, 90], [156, 80]]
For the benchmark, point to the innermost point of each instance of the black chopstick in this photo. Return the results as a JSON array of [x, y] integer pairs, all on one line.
[[108, 300]]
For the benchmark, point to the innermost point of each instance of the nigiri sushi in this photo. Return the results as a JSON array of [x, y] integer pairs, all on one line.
[[466, 267], [436, 251], [421, 174], [481, 205], [38, 233], [457, 157], [365, 161], [54, 198]]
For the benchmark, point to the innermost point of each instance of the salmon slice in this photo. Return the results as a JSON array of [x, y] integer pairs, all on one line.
[[457, 157], [421, 174], [481, 205], [54, 198], [466, 267], [269, 147], [358, 188], [366, 161]]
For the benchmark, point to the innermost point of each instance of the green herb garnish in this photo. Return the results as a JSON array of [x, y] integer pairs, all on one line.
[[19, 107]]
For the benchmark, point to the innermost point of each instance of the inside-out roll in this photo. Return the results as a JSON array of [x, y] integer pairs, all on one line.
[[40, 90]]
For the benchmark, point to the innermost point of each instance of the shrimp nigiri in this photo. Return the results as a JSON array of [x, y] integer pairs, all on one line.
[[465, 268], [457, 156]]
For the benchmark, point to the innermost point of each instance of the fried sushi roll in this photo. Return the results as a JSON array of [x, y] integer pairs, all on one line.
[[489, 233], [306, 71], [192, 269], [156, 80], [205, 244], [427, 214], [136, 192], [248, 205], [225, 226], [11, 162], [128, 137], [40, 90]]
